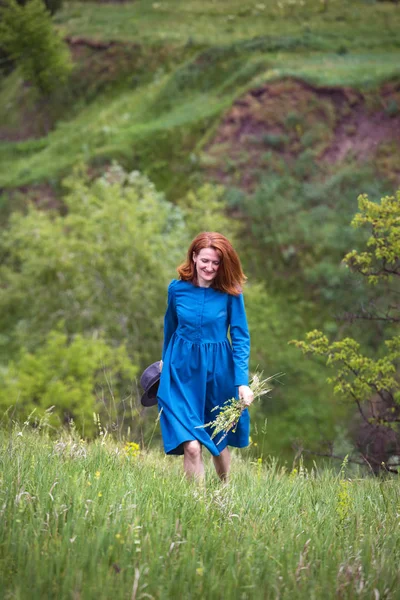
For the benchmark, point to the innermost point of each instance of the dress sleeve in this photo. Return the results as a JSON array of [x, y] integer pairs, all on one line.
[[170, 319], [240, 338]]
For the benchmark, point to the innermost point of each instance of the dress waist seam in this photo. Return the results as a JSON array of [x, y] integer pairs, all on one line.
[[202, 342]]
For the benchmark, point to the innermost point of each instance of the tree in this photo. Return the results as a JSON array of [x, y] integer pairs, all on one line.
[[371, 383], [28, 37], [103, 268]]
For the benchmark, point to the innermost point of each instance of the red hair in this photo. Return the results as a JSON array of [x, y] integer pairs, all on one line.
[[230, 277]]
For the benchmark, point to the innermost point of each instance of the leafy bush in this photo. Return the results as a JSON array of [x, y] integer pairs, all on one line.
[[276, 141], [52, 5], [392, 108], [300, 407], [303, 227], [69, 375], [371, 383], [28, 37]]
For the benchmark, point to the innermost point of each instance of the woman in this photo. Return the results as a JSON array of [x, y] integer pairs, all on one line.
[[201, 369]]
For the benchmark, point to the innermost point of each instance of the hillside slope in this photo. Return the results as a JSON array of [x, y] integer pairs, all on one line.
[[148, 71]]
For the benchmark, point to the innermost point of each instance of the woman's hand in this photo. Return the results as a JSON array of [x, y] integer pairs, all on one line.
[[246, 395], [161, 365]]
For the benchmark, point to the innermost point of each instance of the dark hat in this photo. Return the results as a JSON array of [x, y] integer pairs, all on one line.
[[149, 381]]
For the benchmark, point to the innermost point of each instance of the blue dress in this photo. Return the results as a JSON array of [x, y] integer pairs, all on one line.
[[201, 367]]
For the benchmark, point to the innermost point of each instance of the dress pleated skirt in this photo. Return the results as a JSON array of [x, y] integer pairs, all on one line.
[[196, 379]]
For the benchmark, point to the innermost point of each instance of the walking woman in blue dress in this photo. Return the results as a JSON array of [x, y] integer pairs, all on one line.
[[201, 366]]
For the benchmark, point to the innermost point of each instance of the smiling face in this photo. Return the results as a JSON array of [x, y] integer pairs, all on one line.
[[207, 263]]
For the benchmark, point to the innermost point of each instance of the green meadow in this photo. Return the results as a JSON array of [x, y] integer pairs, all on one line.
[[264, 119], [107, 520]]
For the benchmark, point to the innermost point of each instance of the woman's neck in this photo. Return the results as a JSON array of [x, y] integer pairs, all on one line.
[[202, 284]]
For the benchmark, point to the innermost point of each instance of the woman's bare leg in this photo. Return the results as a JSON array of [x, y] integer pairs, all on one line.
[[222, 464], [193, 460]]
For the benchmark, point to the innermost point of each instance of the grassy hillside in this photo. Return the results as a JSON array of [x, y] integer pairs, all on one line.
[[360, 23], [108, 520], [200, 57]]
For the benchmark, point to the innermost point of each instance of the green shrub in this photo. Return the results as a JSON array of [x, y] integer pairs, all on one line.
[[293, 119], [370, 384], [28, 37], [276, 141], [71, 378], [302, 227], [52, 5], [392, 108]]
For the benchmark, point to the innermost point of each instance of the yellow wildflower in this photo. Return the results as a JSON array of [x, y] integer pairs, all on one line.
[[131, 449]]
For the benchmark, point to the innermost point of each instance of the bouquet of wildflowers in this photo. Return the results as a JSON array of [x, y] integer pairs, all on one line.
[[229, 413]]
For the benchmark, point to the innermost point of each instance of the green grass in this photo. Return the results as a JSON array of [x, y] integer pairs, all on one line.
[[87, 521], [357, 23], [358, 70], [105, 130], [179, 67]]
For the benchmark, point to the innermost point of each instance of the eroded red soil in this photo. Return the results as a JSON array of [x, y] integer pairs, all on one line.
[[277, 122]]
